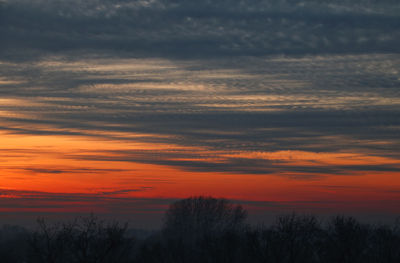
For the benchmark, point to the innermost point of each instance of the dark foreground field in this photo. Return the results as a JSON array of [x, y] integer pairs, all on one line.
[[204, 229]]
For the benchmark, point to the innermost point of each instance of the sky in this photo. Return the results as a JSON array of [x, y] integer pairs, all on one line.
[[120, 107]]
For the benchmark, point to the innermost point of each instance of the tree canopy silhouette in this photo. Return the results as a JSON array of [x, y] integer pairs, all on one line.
[[204, 230], [201, 216]]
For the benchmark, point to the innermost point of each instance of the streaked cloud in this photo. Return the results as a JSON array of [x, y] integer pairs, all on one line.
[[214, 112], [160, 99], [103, 201], [197, 29]]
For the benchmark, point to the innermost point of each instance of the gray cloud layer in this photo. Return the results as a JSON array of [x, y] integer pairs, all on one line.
[[320, 104], [227, 84], [316, 76], [198, 28]]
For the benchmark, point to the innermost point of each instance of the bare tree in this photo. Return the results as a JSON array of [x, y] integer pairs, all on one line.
[[384, 244], [48, 244], [84, 240], [13, 244], [203, 229], [200, 216], [294, 238], [346, 240]]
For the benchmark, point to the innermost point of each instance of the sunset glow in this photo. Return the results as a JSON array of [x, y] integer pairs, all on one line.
[[280, 112]]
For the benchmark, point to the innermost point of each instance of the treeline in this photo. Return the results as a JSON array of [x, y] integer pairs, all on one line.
[[204, 229]]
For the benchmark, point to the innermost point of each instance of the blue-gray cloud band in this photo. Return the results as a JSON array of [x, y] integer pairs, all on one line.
[[198, 28], [327, 81]]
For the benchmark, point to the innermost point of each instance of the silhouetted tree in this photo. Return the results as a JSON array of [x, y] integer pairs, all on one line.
[[94, 241], [85, 240], [48, 244], [200, 229], [13, 244], [384, 245], [346, 241], [204, 230], [294, 238], [256, 244], [201, 216]]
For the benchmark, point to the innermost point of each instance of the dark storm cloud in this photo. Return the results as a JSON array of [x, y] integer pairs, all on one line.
[[198, 28]]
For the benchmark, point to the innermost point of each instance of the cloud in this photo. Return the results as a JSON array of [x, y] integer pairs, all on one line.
[[118, 203], [303, 89], [117, 200], [278, 163], [197, 29], [207, 109]]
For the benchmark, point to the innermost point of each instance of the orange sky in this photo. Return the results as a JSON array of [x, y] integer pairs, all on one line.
[[38, 166], [129, 136]]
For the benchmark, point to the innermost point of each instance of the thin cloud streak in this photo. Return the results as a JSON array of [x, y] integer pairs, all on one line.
[[275, 106]]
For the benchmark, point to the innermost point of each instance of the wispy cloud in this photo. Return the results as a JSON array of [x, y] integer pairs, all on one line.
[[193, 28], [134, 93], [102, 201], [209, 109]]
